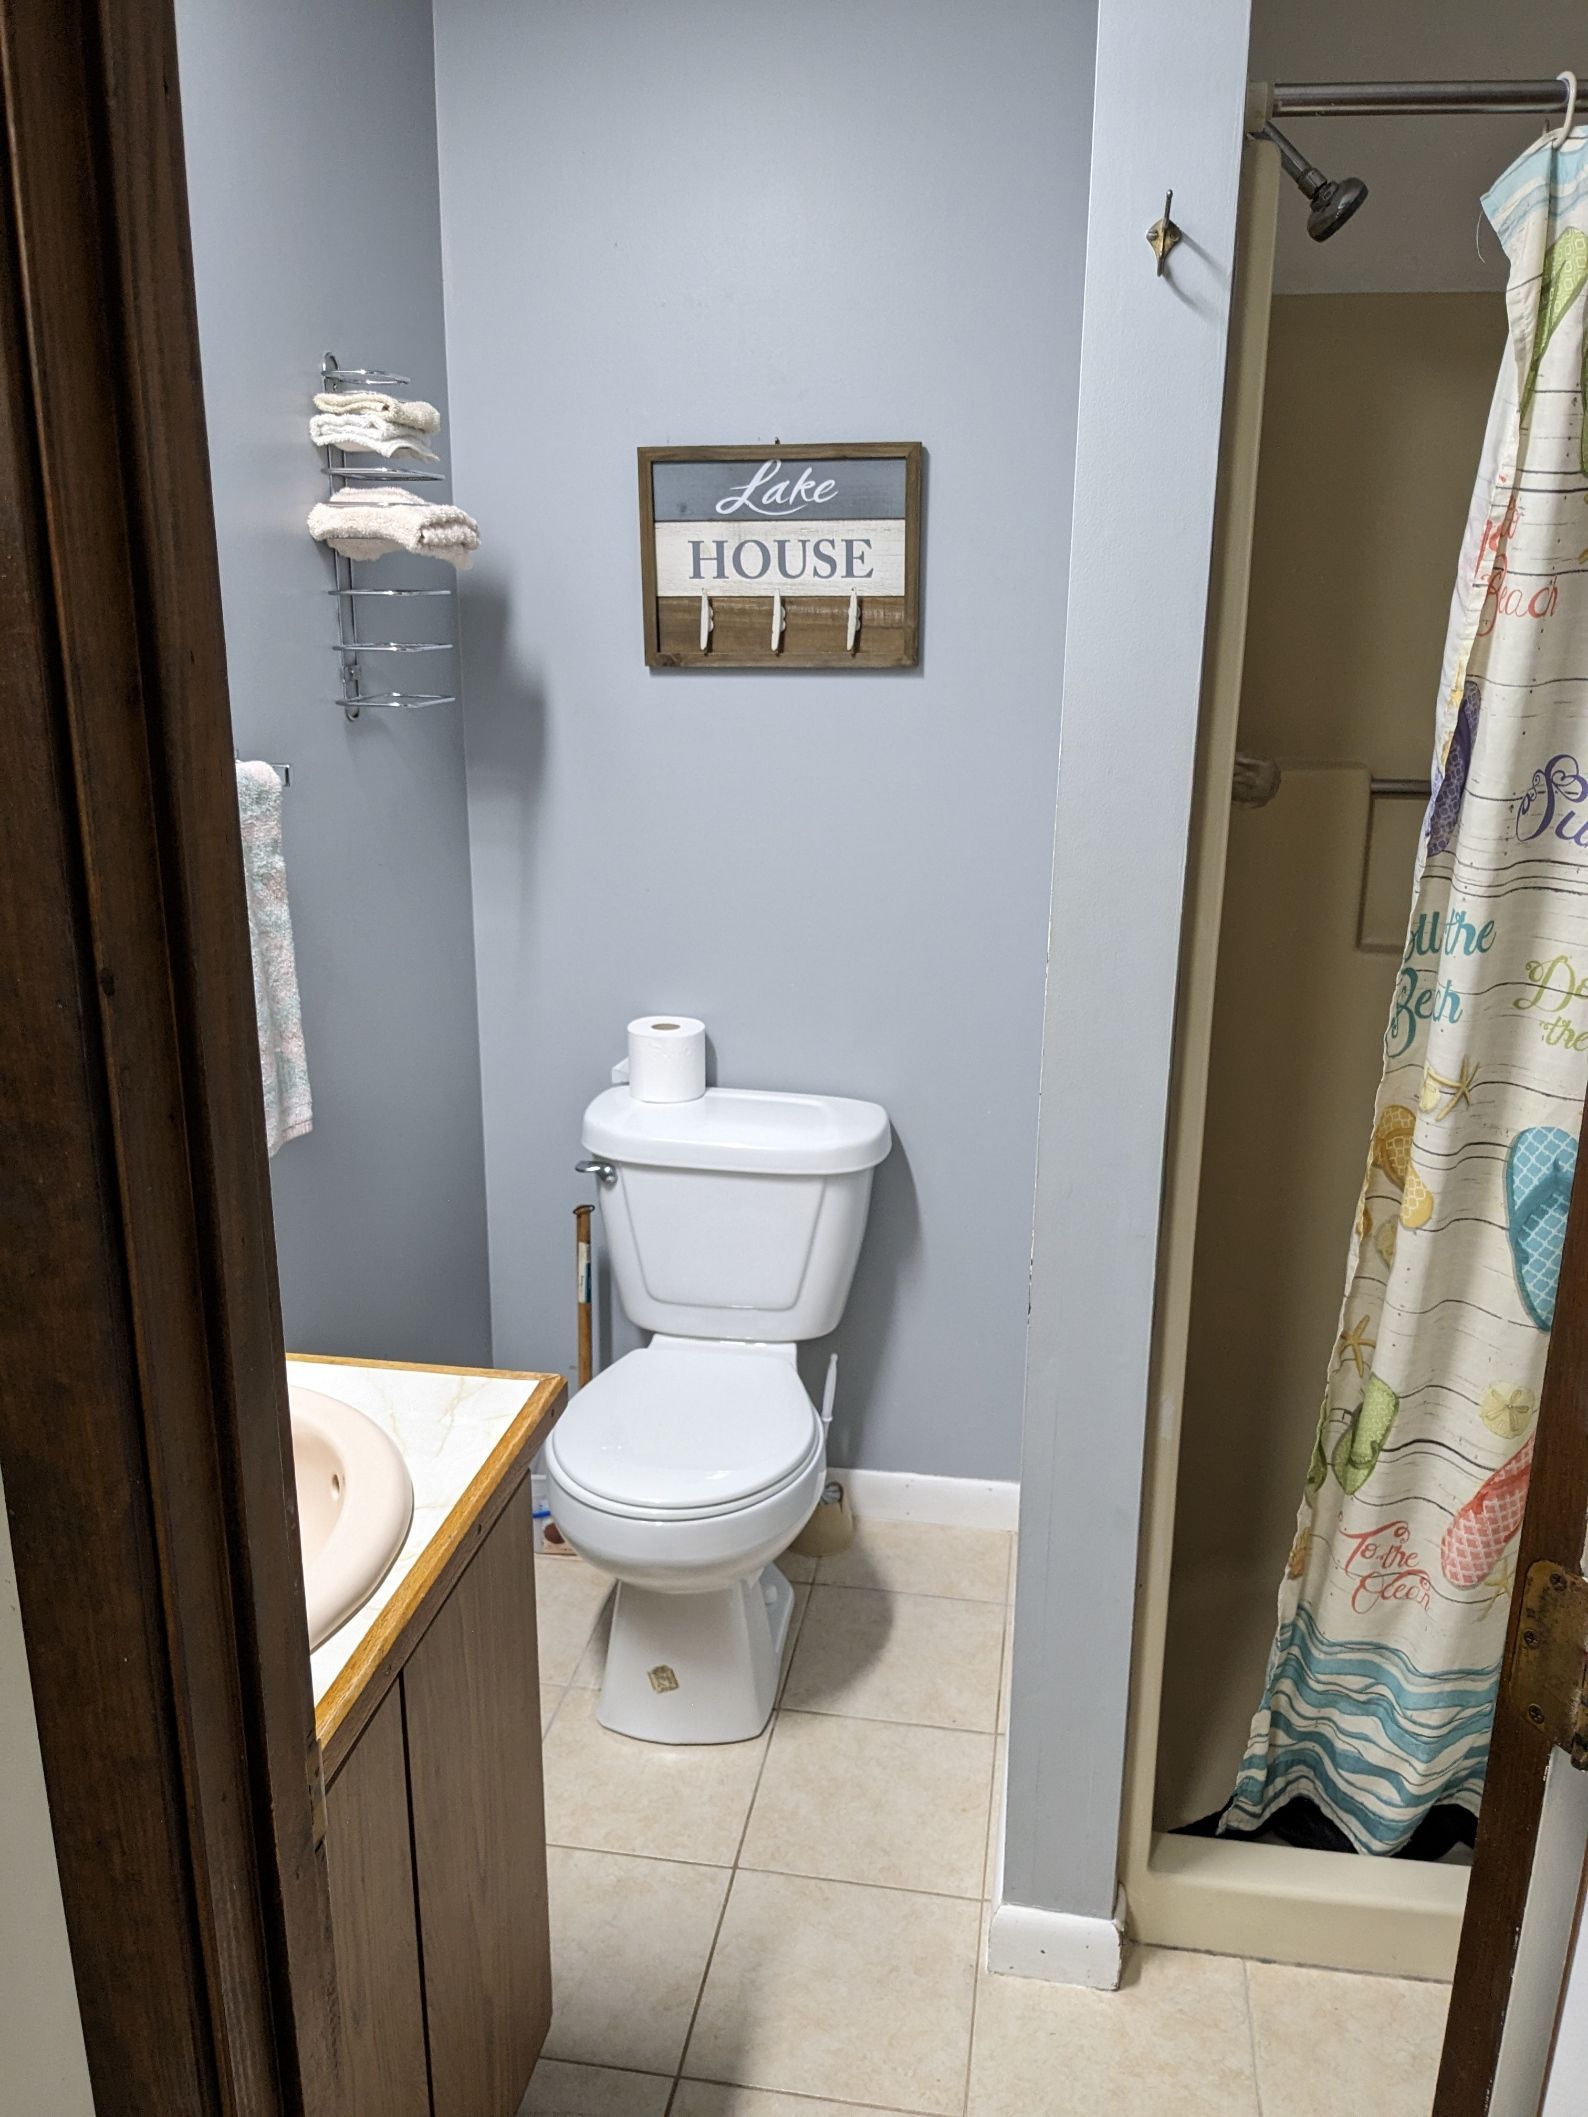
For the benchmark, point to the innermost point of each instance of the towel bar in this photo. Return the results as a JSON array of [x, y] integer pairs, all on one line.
[[354, 706], [339, 378], [392, 646], [387, 473]]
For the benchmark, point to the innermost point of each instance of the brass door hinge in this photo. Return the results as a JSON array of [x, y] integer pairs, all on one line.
[[1549, 1672]]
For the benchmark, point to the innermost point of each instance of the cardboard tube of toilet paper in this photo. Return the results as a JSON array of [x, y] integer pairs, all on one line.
[[667, 1059]]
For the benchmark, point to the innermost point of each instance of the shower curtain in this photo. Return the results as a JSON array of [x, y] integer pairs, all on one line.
[[1382, 1676]]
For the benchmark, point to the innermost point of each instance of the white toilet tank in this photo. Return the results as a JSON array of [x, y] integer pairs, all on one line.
[[737, 1215]]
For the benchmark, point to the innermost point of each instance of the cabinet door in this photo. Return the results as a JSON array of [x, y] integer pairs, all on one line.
[[375, 1926], [471, 1694]]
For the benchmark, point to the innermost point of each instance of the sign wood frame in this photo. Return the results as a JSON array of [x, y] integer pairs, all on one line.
[[731, 552]]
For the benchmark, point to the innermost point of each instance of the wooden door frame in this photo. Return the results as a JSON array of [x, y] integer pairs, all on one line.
[[144, 1437], [1554, 1528]]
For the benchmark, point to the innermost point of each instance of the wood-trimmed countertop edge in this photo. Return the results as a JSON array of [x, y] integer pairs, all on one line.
[[350, 1703]]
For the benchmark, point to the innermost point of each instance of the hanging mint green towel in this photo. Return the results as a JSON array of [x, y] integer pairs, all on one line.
[[283, 1069]]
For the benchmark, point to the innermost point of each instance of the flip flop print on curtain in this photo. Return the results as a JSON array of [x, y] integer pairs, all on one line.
[[1444, 812], [1538, 1174], [1479, 1531], [1359, 1447], [1355, 1454], [1564, 277], [1378, 1700], [1538, 1177], [1392, 1152]]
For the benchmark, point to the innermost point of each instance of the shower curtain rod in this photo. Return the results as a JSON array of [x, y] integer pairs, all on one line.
[[1404, 99]]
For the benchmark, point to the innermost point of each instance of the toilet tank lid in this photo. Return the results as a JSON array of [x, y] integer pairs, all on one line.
[[755, 1131]]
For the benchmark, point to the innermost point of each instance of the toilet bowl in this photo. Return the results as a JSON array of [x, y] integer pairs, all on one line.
[[733, 1224], [689, 1467]]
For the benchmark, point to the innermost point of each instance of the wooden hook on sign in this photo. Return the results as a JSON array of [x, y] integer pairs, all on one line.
[[706, 622], [778, 623], [852, 628]]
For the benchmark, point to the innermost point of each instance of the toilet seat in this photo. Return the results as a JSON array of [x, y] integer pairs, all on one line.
[[683, 1431]]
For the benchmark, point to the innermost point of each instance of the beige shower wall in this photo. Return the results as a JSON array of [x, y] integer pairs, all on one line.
[[1372, 426]]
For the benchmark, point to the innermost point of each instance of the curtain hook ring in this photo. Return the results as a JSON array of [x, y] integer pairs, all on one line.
[[1562, 133]]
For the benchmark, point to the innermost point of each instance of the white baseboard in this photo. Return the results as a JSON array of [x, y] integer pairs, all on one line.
[[1058, 1946], [951, 1502]]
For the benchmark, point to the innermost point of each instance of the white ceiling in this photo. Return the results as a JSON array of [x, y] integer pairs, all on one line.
[[1417, 230]]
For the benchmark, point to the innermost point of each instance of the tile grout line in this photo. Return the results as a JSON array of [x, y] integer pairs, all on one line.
[[816, 1712], [984, 1905], [796, 1627], [940, 1727], [873, 1587], [787, 1874], [861, 2109], [1251, 2035], [562, 1698]]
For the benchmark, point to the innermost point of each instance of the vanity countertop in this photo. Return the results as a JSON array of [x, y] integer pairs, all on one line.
[[468, 1435]]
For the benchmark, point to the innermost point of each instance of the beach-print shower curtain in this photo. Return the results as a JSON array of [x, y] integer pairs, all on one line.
[[1382, 1677]]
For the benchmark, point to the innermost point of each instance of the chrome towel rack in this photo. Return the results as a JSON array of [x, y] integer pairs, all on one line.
[[350, 593]]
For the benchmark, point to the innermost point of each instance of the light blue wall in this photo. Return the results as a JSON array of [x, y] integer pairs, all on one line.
[[702, 223], [1151, 409], [312, 172]]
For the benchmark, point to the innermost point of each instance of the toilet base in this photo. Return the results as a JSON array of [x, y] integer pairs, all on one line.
[[696, 1668]]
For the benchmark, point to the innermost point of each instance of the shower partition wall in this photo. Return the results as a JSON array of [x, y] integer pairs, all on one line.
[[1284, 997]]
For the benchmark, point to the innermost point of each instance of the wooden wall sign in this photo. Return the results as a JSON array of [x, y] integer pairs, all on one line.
[[780, 557]]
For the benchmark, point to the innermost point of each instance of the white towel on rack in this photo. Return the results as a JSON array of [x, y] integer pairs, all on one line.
[[422, 417], [283, 1069], [369, 433], [381, 518]]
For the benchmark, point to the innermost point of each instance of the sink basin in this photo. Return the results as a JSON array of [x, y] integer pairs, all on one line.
[[355, 1504]]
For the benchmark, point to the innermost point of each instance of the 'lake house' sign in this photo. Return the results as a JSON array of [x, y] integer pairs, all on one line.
[[780, 557]]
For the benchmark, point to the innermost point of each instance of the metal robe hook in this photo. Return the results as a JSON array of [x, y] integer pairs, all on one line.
[[778, 623], [852, 628], [1163, 234], [706, 622]]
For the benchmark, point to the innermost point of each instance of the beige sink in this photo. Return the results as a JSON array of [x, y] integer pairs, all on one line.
[[355, 1504]]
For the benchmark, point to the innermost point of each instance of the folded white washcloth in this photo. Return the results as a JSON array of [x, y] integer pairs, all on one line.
[[431, 547], [367, 432], [422, 417], [382, 518]]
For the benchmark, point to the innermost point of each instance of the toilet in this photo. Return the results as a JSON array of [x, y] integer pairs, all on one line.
[[733, 1223]]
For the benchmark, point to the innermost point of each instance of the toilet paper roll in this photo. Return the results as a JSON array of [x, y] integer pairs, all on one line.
[[667, 1059]]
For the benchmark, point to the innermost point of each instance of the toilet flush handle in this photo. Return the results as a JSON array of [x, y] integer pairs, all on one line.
[[602, 1171]]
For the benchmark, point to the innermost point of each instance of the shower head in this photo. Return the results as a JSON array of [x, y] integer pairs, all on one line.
[[1332, 200], [1334, 205]]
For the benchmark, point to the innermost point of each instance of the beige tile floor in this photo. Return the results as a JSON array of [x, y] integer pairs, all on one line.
[[791, 1927]]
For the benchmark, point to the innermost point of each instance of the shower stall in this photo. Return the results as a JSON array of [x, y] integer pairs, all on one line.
[[1354, 424]]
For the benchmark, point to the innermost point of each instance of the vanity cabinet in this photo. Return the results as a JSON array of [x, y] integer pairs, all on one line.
[[369, 1859], [471, 1700], [434, 1821]]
